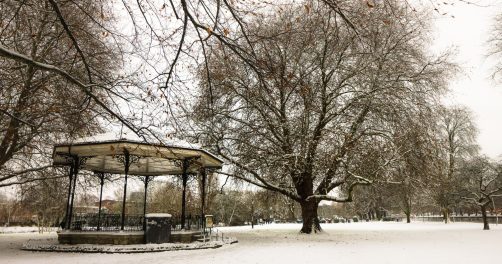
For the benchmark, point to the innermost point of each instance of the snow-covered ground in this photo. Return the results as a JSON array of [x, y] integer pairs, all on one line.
[[18, 229], [374, 242]]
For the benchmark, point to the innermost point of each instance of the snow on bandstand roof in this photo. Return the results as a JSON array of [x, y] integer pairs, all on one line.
[[102, 152]]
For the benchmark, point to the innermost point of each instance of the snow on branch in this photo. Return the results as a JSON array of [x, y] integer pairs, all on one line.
[[4, 178], [10, 54]]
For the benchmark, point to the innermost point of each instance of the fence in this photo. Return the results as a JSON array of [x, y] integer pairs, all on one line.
[[112, 222], [191, 223], [107, 222], [473, 219]]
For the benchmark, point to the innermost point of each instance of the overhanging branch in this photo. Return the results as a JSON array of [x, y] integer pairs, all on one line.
[[19, 173], [10, 54]]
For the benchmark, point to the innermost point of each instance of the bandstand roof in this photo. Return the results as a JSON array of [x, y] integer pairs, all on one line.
[[105, 153]]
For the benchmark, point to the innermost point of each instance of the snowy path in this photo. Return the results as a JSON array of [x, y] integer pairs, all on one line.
[[280, 243]]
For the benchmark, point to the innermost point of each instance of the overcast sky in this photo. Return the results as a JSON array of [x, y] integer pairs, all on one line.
[[468, 32]]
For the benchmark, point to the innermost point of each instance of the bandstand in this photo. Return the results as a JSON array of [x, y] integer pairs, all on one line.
[[131, 158]]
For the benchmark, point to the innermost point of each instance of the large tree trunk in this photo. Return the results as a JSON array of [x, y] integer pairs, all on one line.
[[486, 226], [378, 213], [407, 208], [309, 217], [407, 211], [446, 215], [291, 210]]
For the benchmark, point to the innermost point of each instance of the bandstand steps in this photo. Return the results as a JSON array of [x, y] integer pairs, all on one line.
[[187, 236], [201, 238]]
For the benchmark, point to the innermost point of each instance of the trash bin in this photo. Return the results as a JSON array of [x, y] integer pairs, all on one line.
[[158, 228]]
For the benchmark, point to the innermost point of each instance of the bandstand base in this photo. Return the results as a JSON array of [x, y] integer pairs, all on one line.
[[121, 238], [101, 238]]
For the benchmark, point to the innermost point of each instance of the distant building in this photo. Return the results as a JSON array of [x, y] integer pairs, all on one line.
[[109, 205]]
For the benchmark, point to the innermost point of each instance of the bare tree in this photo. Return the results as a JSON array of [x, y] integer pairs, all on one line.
[[481, 182], [43, 200], [8, 207], [154, 44], [316, 112], [37, 107], [495, 41], [457, 134], [372, 202], [77, 46], [409, 175]]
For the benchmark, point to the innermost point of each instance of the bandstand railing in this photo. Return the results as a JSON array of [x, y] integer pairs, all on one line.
[[105, 223], [112, 222], [191, 223]]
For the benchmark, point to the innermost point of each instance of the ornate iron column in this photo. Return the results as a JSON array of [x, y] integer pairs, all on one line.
[[126, 162], [76, 166], [203, 199], [147, 180], [184, 177], [70, 184], [102, 181]]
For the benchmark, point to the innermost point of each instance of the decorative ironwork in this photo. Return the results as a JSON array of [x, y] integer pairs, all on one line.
[[105, 176], [86, 222], [177, 162], [67, 157], [146, 179], [127, 159], [180, 162], [107, 222], [122, 158], [190, 223], [82, 161], [72, 160], [134, 159], [114, 222]]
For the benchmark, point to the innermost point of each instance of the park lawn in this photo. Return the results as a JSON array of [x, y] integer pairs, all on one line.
[[374, 242]]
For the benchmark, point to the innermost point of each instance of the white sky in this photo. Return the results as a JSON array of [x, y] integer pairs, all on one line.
[[468, 32]]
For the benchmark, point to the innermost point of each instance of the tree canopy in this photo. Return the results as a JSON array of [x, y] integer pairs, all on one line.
[[315, 108]]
